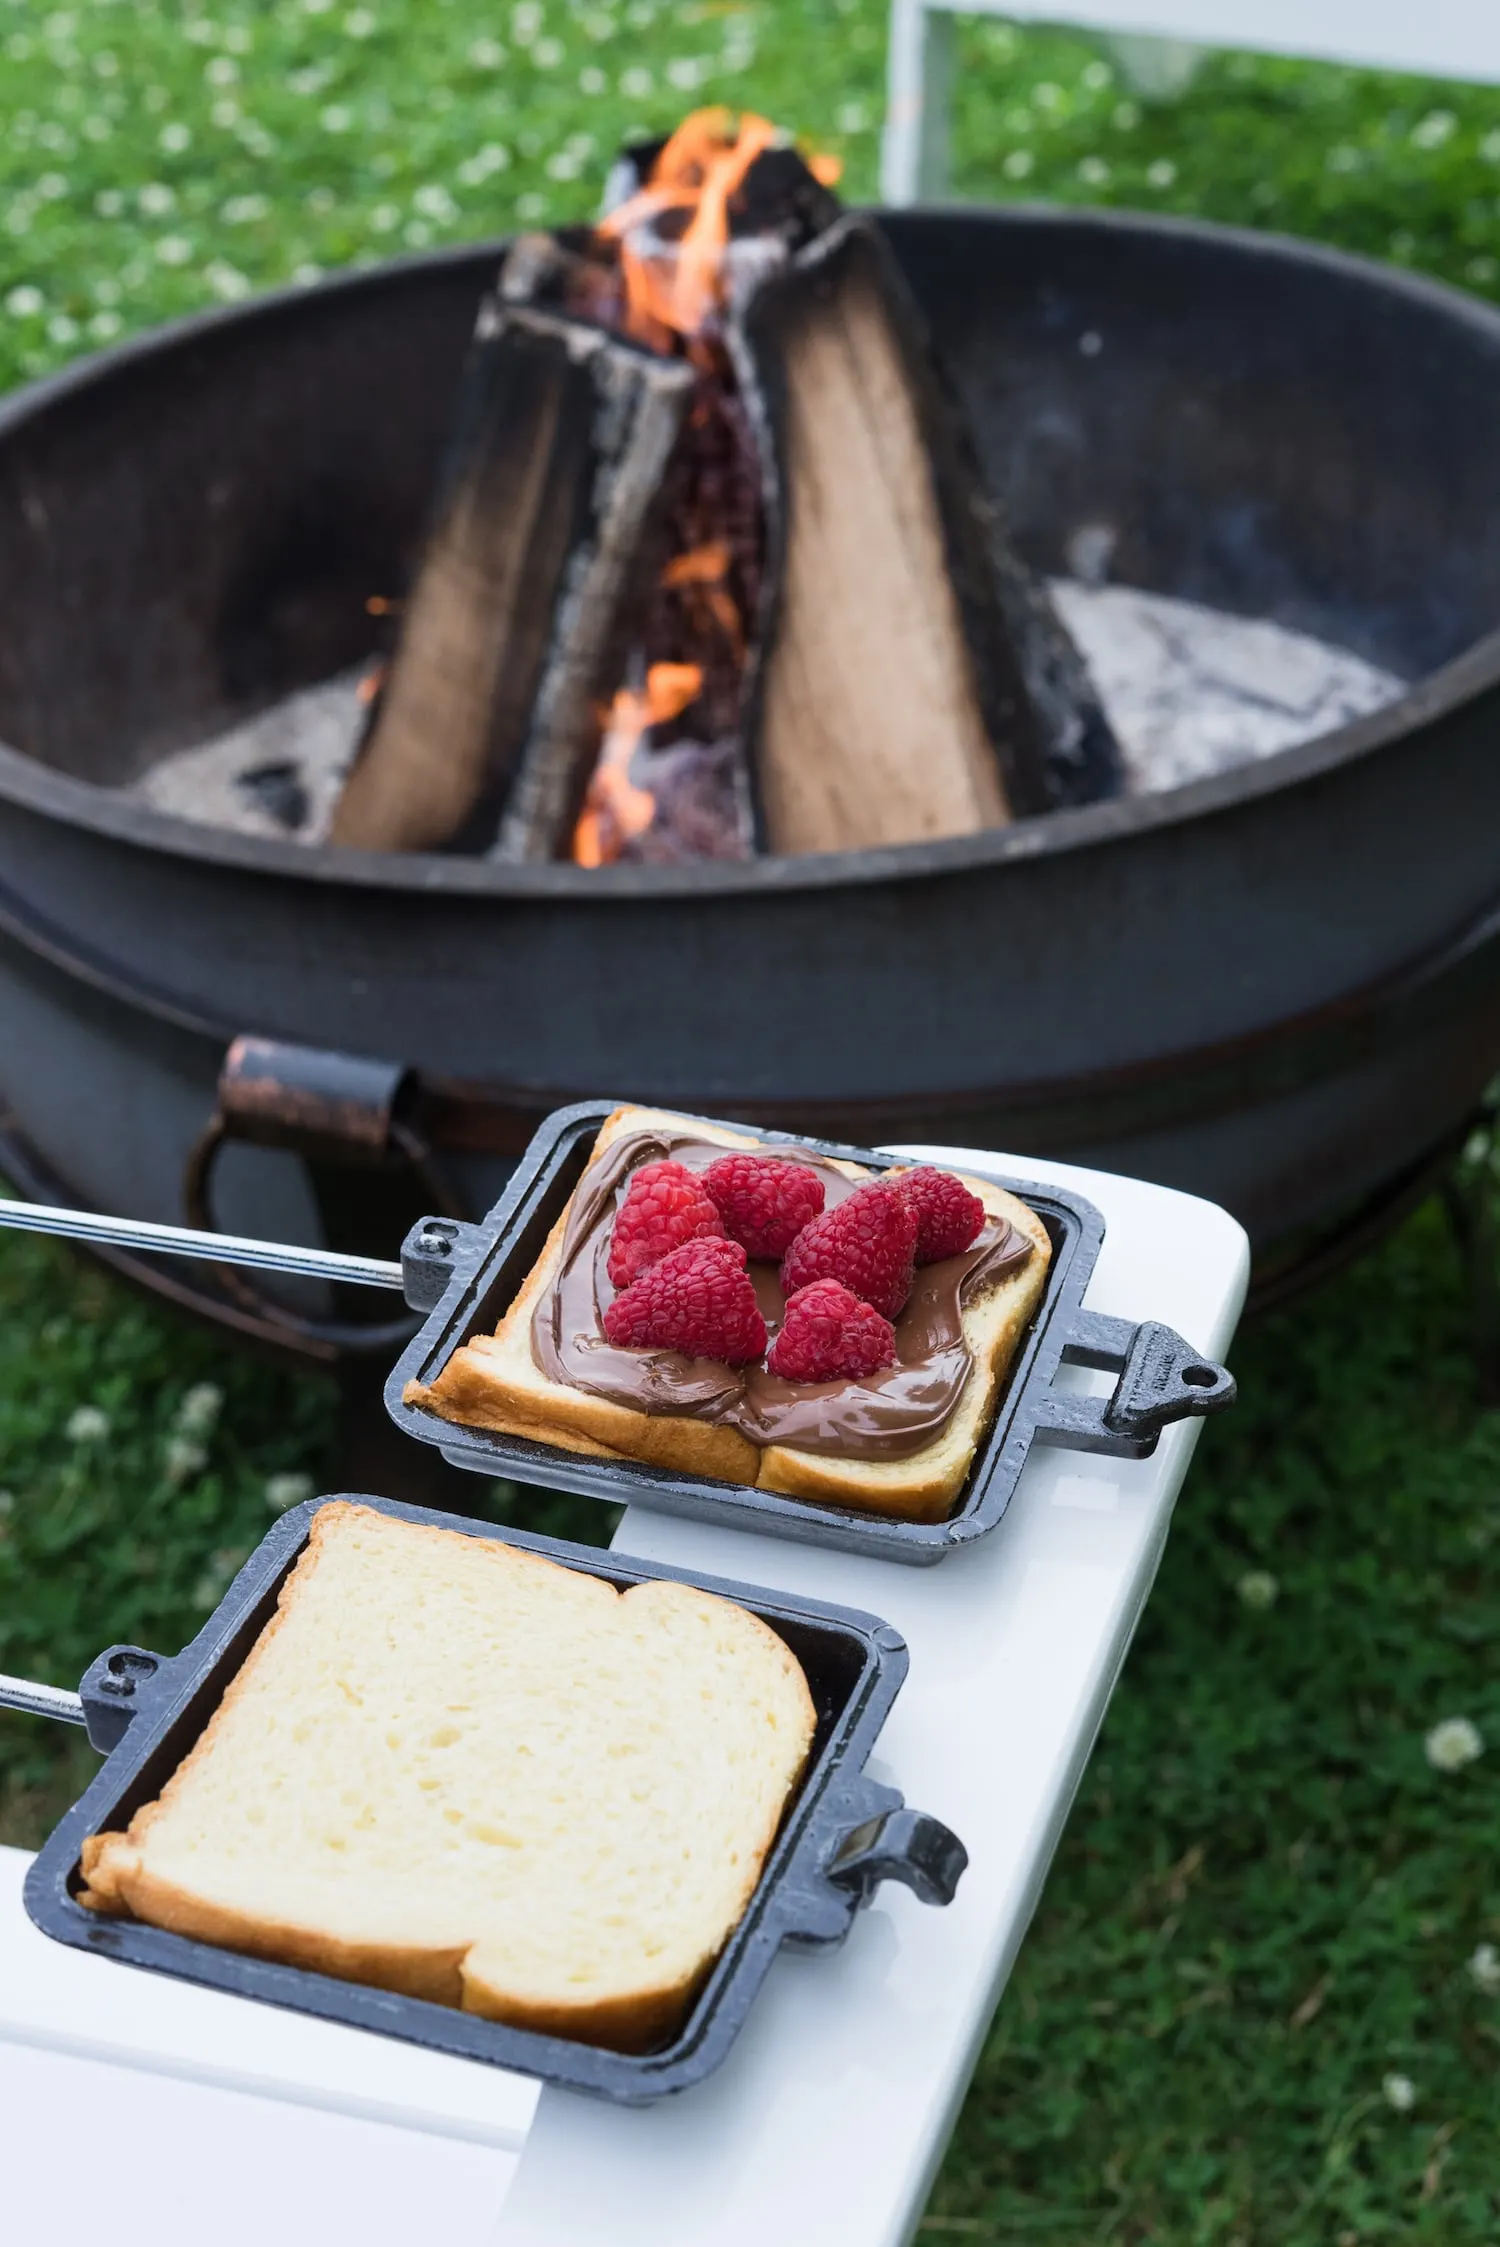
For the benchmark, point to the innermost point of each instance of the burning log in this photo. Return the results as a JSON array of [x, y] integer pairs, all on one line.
[[521, 608], [911, 682]]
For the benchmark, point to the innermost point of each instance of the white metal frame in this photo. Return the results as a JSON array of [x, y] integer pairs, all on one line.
[[1439, 38]]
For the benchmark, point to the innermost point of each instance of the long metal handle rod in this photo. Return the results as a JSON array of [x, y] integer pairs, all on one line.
[[40, 1700], [217, 1248]]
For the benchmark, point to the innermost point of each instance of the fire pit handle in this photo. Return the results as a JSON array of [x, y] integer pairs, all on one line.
[[1162, 1378], [338, 1106]]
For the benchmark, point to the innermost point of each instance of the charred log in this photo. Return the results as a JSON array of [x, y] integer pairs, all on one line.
[[523, 598], [912, 682]]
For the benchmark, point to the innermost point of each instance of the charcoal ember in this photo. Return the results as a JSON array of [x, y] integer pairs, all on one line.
[[702, 804], [278, 790], [712, 501]]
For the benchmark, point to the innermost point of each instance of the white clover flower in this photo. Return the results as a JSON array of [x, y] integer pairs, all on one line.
[[493, 157], [1126, 117], [183, 1457], [105, 64], [96, 128], [156, 199], [1438, 126], [599, 26], [1096, 76], [547, 53], [18, 218], [200, 31], [8, 1507], [222, 70], [1481, 270], [687, 72], [255, 138], [51, 187], [88, 1424], [1453, 1743], [564, 165], [106, 289], [1399, 2092], [1094, 172], [311, 80], [434, 202], [62, 25], [592, 80], [228, 283], [61, 328], [225, 113], [305, 274], [105, 326], [1344, 159], [1484, 1970], [337, 117], [525, 22], [416, 234], [1019, 164], [359, 23], [198, 1413], [385, 218], [1047, 96], [1163, 173], [531, 207], [173, 139], [321, 201], [486, 54], [316, 7], [174, 249], [1489, 147], [287, 1490], [55, 137], [239, 39], [1258, 1588], [851, 117], [637, 82], [244, 210]]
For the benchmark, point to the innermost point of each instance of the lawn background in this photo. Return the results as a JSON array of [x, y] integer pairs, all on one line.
[[1268, 1902]]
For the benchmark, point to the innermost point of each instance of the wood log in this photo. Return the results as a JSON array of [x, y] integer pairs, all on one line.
[[521, 601], [911, 683]]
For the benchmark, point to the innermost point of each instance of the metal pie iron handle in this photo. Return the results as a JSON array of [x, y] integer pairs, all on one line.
[[1162, 1378], [906, 1845], [114, 1688]]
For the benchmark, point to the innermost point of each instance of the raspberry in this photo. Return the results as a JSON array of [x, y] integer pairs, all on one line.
[[764, 1202], [697, 1299], [665, 1207], [868, 1244], [829, 1335], [949, 1218]]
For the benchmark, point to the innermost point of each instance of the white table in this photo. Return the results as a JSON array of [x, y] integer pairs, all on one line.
[[831, 2114]]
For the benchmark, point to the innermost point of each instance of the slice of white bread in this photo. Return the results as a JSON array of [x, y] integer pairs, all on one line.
[[457, 1770], [493, 1381]]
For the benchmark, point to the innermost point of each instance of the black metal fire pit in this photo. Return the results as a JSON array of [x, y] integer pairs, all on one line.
[[1280, 987]]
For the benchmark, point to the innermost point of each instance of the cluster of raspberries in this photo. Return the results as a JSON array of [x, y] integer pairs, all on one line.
[[682, 1241]]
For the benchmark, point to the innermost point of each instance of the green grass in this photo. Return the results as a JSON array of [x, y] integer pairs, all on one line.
[[1268, 1899]]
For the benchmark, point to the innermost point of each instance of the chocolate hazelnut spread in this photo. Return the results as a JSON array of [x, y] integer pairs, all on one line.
[[888, 1415]]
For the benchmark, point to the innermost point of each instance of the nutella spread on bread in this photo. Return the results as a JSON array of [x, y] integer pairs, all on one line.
[[887, 1415]]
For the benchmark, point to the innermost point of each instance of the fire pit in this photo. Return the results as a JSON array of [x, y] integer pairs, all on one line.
[[1279, 987]]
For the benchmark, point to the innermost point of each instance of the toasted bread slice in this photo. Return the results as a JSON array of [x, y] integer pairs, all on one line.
[[462, 1772], [493, 1381]]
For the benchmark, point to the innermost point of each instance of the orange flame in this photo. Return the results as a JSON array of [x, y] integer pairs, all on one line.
[[705, 569], [673, 288], [615, 810]]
